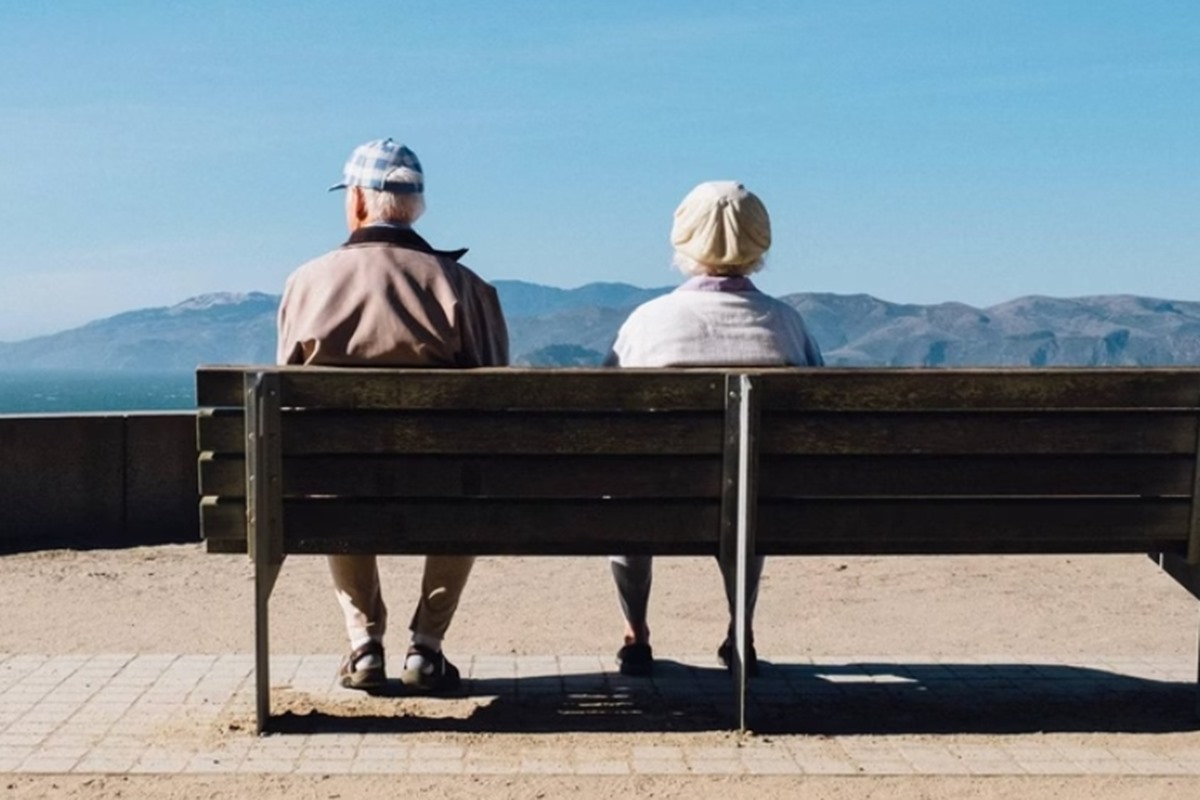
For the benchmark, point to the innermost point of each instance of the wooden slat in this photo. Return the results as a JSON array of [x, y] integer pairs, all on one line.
[[221, 431], [223, 474], [485, 527], [848, 389], [219, 386], [683, 476], [1098, 432], [859, 527], [476, 389], [223, 524], [997, 547], [1005, 474], [478, 433], [824, 388], [974, 525], [479, 476]]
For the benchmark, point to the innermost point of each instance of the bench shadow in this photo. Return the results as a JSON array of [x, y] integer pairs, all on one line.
[[943, 698], [829, 699]]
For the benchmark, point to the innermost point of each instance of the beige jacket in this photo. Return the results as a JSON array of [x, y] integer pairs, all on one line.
[[386, 298]]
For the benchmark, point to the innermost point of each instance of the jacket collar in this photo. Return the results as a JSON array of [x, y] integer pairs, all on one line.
[[399, 237]]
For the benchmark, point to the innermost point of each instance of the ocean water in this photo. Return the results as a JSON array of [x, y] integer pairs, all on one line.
[[58, 392]]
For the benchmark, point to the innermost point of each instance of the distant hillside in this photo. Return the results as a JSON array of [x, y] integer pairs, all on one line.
[[860, 330], [240, 329], [225, 328], [521, 299], [574, 327]]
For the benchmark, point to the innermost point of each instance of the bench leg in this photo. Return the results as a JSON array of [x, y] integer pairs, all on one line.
[[1188, 576], [737, 548], [264, 520], [740, 634], [264, 581]]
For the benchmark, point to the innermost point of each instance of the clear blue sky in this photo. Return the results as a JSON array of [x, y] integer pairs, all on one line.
[[920, 151]]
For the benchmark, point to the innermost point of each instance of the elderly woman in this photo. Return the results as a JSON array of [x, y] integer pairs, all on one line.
[[716, 318]]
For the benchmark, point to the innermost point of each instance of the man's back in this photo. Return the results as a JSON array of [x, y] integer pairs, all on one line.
[[387, 298]]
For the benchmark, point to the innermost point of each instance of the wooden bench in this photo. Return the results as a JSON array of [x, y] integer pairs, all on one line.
[[720, 462]]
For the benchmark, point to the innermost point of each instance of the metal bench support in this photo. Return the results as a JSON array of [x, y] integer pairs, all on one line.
[[737, 518], [264, 521]]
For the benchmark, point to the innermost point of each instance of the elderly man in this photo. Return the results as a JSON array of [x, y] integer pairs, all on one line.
[[387, 298]]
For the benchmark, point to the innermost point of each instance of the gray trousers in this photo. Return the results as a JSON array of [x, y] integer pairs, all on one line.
[[633, 575]]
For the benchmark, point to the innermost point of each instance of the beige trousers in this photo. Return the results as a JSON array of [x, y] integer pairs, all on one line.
[[356, 580]]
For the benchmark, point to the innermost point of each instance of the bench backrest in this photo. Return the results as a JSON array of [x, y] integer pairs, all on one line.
[[977, 461], [841, 461], [515, 461]]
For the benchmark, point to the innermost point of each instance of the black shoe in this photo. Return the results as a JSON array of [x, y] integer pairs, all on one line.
[[635, 658], [363, 668], [429, 672], [725, 657]]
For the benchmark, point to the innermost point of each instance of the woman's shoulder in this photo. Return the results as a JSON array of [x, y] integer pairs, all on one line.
[[663, 304]]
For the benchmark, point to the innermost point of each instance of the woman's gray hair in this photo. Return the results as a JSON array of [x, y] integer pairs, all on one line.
[[690, 266]]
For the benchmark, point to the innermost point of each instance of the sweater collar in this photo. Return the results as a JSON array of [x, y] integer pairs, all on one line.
[[717, 283]]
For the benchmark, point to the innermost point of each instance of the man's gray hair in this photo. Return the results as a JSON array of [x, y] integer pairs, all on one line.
[[403, 208]]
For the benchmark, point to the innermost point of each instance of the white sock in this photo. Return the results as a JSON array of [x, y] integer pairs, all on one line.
[[432, 642]]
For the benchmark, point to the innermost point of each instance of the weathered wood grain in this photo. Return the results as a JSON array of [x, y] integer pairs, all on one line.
[[475, 389], [509, 433], [843, 475], [952, 432], [863, 526], [551, 476], [900, 389], [482, 526]]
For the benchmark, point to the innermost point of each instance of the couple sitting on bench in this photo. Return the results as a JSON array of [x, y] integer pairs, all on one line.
[[387, 298]]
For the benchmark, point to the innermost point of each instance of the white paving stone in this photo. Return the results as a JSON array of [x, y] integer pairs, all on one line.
[[108, 713]]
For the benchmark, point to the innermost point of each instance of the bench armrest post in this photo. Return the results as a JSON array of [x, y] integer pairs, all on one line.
[[264, 519], [1193, 548], [738, 498]]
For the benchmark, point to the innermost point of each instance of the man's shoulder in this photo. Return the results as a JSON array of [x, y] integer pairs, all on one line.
[[468, 275], [312, 265]]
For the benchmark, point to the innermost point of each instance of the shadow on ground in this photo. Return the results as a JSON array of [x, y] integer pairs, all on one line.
[[856, 698]]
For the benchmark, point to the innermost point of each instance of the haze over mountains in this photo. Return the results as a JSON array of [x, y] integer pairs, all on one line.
[[574, 327]]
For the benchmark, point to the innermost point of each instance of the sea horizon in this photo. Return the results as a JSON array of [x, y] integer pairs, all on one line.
[[60, 391]]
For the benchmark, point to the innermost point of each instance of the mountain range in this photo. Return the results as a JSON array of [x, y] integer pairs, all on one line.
[[574, 327]]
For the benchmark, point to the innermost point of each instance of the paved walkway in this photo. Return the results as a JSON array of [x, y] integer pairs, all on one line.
[[115, 713]]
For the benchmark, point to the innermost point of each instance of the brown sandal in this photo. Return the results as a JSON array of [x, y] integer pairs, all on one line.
[[367, 677]]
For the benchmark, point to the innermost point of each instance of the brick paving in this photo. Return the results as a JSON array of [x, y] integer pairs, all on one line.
[[850, 715]]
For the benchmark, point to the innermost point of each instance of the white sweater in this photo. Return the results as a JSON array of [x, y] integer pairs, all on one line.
[[714, 322]]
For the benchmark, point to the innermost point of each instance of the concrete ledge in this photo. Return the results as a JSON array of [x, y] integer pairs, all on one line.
[[97, 480]]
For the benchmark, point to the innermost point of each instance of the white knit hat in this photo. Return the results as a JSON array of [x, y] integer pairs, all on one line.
[[720, 223]]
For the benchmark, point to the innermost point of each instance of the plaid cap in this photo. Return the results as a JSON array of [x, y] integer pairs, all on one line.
[[371, 164]]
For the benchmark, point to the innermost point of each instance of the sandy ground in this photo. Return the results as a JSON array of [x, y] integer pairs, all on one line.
[[177, 599], [536, 787]]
